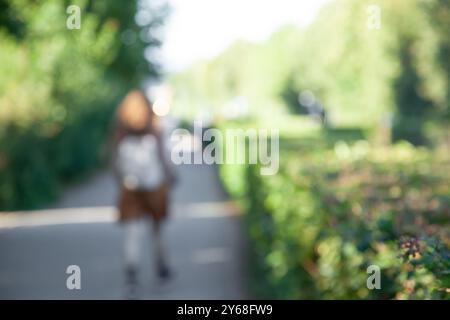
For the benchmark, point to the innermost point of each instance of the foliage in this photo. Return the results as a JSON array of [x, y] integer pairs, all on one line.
[[439, 16], [359, 74], [328, 214], [58, 92], [412, 107]]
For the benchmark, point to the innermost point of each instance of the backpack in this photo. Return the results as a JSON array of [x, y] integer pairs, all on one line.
[[138, 163]]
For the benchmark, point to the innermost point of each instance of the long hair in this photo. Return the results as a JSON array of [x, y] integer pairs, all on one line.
[[135, 113]]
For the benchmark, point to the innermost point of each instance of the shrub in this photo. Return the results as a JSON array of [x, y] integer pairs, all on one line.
[[328, 214], [57, 98]]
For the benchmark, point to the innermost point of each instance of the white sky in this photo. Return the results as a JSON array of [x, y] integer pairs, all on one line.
[[199, 29]]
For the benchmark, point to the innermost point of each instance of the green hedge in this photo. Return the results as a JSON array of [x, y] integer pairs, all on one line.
[[328, 214], [57, 97], [37, 159]]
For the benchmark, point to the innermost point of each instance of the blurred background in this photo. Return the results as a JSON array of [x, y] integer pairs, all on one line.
[[360, 91]]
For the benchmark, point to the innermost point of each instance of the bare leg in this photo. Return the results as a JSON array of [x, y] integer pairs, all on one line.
[[159, 251], [131, 243]]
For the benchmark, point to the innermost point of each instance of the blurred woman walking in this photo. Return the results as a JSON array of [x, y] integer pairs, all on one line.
[[145, 176]]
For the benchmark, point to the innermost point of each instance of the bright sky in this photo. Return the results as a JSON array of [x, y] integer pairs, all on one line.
[[203, 28]]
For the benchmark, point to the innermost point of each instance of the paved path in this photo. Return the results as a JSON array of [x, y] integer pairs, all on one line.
[[204, 235]]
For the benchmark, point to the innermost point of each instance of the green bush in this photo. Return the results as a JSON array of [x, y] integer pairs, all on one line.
[[328, 214], [59, 89]]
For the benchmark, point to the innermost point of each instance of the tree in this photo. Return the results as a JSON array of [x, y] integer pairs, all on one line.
[[438, 12], [411, 104], [59, 88]]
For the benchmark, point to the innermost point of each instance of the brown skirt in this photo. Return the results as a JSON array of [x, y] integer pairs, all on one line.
[[136, 204]]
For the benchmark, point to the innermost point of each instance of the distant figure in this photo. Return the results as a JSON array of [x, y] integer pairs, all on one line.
[[144, 174]]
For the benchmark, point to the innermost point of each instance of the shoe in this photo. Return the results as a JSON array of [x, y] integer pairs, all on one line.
[[131, 292], [131, 285], [164, 280], [164, 273]]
